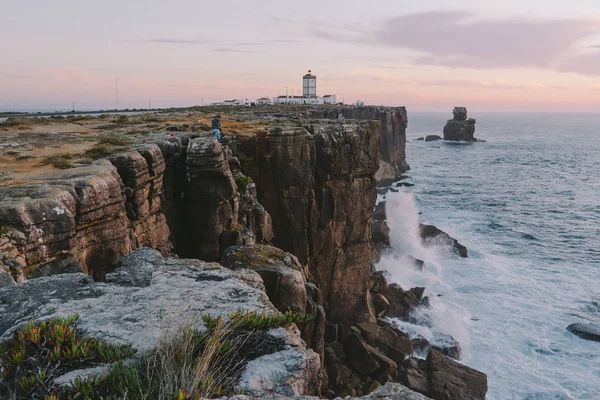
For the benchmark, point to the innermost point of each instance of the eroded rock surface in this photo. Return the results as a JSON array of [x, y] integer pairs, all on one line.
[[149, 296], [460, 128]]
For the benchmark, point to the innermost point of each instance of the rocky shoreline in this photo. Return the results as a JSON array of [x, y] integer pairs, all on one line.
[[288, 214]]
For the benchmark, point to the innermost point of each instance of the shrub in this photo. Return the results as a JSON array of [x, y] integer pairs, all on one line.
[[60, 161], [242, 181], [112, 140]]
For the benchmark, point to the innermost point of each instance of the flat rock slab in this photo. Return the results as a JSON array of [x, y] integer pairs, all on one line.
[[586, 331], [149, 297]]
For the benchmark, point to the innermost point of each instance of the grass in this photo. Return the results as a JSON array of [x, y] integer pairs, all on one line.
[[187, 365], [41, 352], [4, 230], [60, 161], [113, 140]]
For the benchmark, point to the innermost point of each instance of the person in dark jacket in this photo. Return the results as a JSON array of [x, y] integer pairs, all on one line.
[[216, 127]]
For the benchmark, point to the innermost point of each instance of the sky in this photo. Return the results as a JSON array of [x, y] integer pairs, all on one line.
[[427, 55]]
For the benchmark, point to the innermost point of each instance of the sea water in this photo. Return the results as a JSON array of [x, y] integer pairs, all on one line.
[[526, 203]]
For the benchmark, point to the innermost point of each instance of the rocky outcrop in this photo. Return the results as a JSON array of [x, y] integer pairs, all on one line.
[[460, 128], [586, 331], [148, 297], [85, 218], [317, 184], [432, 138], [392, 147], [432, 236], [441, 378]]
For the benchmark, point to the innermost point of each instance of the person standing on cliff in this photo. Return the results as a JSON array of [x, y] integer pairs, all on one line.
[[216, 127]]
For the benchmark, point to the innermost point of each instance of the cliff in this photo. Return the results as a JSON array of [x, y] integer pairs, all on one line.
[[85, 218], [392, 146], [318, 184], [306, 186]]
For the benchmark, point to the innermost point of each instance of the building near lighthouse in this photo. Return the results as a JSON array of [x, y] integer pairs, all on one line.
[[309, 93]]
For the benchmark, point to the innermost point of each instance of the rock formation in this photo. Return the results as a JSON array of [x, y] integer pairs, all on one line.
[[393, 122], [306, 186], [149, 296], [586, 331], [317, 183], [85, 218], [460, 128]]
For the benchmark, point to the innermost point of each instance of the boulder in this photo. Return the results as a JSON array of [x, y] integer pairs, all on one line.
[[359, 356], [432, 138], [432, 236], [450, 380], [379, 213], [148, 297], [280, 271], [460, 128], [446, 345], [586, 331]]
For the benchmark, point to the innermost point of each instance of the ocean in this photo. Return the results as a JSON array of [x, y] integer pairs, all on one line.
[[526, 203]]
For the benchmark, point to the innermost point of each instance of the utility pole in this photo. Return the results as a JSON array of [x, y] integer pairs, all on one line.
[[149, 108], [343, 98], [117, 91], [73, 106]]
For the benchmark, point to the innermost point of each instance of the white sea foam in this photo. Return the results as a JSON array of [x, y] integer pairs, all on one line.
[[403, 220]]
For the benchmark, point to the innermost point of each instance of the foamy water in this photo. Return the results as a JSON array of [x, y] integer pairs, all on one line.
[[527, 206]]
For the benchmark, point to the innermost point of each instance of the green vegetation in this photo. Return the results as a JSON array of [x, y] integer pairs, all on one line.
[[4, 230], [41, 352], [60, 161], [186, 365], [242, 181], [113, 140]]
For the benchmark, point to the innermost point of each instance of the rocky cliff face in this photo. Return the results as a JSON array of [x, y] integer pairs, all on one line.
[[85, 218], [317, 183], [392, 147], [460, 128]]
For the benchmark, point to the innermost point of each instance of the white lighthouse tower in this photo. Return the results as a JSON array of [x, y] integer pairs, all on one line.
[[309, 85]]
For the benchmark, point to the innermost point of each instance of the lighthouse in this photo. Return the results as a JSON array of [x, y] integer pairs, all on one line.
[[309, 85]]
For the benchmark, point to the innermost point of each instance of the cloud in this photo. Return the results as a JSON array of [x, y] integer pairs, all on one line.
[[461, 39], [174, 41], [231, 50], [583, 64]]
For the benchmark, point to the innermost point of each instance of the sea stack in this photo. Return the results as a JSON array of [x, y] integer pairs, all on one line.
[[460, 128]]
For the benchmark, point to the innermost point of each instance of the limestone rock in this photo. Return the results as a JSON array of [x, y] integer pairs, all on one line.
[[318, 186], [586, 331], [280, 271], [450, 380], [85, 218], [460, 128], [137, 310], [431, 235]]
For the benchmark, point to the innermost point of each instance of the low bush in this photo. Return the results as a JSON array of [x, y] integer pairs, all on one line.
[[242, 181], [61, 161]]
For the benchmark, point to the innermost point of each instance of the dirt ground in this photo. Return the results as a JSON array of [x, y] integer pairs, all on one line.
[[31, 146]]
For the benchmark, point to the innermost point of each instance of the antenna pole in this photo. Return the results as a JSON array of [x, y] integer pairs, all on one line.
[[117, 91]]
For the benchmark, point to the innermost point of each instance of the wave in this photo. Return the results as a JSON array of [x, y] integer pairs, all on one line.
[[437, 318]]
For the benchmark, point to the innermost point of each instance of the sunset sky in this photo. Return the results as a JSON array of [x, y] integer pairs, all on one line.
[[497, 55]]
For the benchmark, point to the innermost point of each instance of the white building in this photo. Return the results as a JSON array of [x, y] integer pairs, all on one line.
[[329, 99], [309, 85], [263, 101], [233, 103], [297, 100], [309, 93]]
